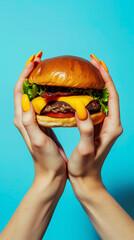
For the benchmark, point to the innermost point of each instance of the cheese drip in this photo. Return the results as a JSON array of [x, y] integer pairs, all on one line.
[[78, 103]]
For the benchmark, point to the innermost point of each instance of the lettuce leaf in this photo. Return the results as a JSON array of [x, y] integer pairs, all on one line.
[[102, 95], [34, 90]]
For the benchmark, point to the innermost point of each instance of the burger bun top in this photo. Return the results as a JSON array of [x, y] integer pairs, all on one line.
[[67, 71]]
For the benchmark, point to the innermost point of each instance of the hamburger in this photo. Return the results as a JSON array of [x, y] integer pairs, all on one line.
[[60, 86]]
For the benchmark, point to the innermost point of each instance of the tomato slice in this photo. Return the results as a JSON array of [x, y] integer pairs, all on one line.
[[59, 115]]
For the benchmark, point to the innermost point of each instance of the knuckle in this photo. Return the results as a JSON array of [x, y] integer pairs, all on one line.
[[85, 151], [39, 142], [16, 123], [27, 120], [87, 129], [118, 131]]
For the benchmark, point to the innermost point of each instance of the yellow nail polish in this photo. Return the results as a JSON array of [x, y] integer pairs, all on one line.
[[96, 59], [104, 65], [81, 112], [39, 54], [25, 103], [30, 60]]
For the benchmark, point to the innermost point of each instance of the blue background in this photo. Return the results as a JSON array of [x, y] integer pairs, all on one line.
[[104, 28]]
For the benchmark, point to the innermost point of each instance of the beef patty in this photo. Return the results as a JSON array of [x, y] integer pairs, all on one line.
[[62, 107]]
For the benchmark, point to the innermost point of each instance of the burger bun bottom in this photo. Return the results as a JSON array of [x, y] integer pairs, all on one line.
[[46, 121]]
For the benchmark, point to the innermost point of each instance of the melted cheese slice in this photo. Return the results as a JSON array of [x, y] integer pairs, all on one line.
[[76, 102]]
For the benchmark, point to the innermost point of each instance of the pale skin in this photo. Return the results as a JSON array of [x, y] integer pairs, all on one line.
[[84, 167], [32, 217]]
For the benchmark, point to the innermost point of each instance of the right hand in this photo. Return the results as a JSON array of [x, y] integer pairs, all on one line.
[[87, 159], [47, 153]]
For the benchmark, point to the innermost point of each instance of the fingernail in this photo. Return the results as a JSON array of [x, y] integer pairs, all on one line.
[[96, 59], [25, 103], [39, 54], [30, 60], [81, 114], [104, 65]]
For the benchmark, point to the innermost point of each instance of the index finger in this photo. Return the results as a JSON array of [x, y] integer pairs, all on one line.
[[18, 87], [113, 99], [18, 90], [25, 73]]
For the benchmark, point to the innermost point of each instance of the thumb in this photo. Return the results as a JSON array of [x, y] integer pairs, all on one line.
[[30, 123], [86, 129]]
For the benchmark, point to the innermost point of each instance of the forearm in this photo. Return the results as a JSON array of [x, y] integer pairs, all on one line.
[[109, 219], [33, 215]]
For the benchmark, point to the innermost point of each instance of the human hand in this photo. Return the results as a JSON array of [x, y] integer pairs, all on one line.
[[34, 213], [47, 153], [85, 163]]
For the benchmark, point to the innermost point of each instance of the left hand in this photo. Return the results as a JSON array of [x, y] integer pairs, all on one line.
[[47, 153], [34, 213]]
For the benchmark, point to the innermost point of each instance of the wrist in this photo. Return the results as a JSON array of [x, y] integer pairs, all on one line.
[[53, 179], [86, 188], [49, 186]]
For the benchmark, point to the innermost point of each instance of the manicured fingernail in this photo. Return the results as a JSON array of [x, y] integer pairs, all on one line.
[[25, 103], [104, 65], [96, 59], [39, 54], [30, 60], [81, 113]]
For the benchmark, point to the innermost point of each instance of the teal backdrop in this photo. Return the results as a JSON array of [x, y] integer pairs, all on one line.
[[66, 27]]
